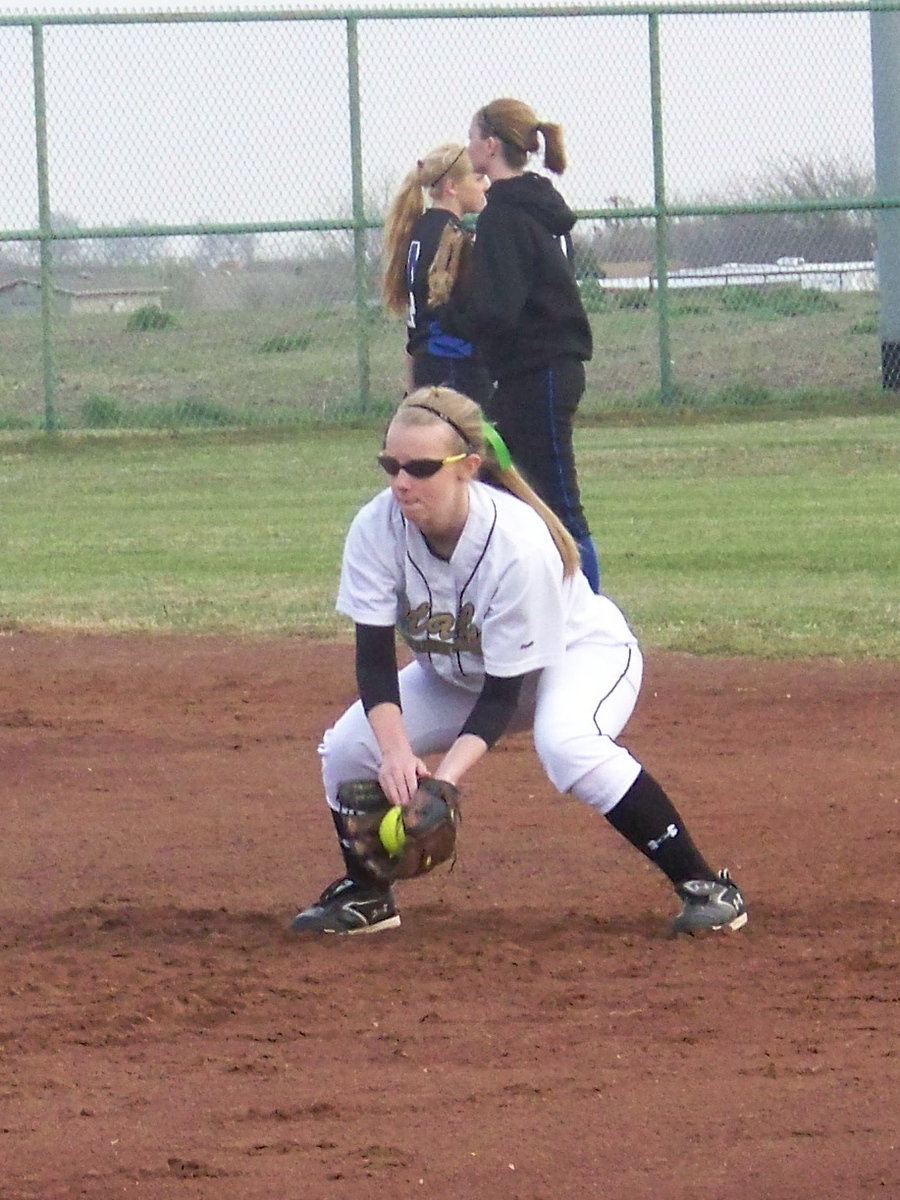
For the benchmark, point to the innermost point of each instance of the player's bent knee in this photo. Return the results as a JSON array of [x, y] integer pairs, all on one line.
[[347, 751], [604, 787], [595, 769]]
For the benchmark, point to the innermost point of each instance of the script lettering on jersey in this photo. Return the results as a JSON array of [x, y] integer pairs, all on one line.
[[427, 632]]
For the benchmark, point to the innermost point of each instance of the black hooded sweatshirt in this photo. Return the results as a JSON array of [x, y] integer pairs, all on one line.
[[522, 308]]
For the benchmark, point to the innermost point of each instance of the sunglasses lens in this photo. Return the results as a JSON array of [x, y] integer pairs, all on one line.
[[422, 468], [418, 468]]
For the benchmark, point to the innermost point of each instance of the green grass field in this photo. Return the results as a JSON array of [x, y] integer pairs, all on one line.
[[771, 538]]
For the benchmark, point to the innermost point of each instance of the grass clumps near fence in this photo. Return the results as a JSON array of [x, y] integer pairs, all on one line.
[[106, 412], [150, 317], [784, 300], [867, 326], [284, 343], [766, 302], [102, 412], [598, 299]]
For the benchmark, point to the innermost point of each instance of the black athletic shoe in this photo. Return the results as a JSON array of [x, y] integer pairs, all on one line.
[[710, 905], [348, 907]]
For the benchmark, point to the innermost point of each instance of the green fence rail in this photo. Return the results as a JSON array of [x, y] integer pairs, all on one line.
[[229, 171]]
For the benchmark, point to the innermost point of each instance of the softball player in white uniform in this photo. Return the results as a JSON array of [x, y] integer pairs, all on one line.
[[483, 584]]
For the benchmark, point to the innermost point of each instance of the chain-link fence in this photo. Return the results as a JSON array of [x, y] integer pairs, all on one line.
[[191, 203]]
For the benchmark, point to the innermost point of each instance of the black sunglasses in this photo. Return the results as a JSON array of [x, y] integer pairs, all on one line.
[[419, 468]]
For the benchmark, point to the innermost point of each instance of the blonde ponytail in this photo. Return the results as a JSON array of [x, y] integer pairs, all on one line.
[[449, 161], [406, 208]]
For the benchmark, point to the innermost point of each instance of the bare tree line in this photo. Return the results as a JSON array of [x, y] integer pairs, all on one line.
[[323, 262], [836, 236]]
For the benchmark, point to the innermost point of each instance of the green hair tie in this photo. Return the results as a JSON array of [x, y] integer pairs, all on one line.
[[497, 444]]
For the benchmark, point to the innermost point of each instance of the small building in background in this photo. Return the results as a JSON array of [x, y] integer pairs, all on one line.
[[79, 296], [107, 300], [19, 295]]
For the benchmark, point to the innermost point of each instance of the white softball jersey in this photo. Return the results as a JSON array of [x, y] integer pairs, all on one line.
[[499, 605]]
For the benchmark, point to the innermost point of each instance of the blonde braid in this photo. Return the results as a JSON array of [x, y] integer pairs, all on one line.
[[445, 266]]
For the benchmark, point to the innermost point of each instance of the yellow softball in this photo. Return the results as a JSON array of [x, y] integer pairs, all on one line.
[[391, 831]]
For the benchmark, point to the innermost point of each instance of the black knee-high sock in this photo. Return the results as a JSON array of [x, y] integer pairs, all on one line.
[[649, 820], [355, 869]]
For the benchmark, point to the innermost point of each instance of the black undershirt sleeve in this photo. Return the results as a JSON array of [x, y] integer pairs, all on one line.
[[494, 708], [376, 666]]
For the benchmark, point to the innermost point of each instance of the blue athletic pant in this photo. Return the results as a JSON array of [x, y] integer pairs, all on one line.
[[534, 414], [466, 375]]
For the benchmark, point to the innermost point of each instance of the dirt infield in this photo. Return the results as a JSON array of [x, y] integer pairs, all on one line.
[[530, 1033]]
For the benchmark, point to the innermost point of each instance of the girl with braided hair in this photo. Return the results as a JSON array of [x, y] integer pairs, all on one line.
[[481, 580], [427, 260], [523, 309]]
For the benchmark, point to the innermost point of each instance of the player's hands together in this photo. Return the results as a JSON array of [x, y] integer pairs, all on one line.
[[399, 775]]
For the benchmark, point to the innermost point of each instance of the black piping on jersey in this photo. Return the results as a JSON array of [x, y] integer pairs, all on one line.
[[605, 697], [484, 549], [462, 591], [424, 579]]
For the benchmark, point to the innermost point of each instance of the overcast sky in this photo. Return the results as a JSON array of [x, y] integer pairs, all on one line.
[[186, 122]]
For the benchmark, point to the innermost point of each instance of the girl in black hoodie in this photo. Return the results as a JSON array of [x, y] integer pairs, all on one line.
[[523, 309]]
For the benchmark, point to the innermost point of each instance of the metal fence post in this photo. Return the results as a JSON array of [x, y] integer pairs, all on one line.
[[51, 419], [666, 388], [885, 35], [360, 273]]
